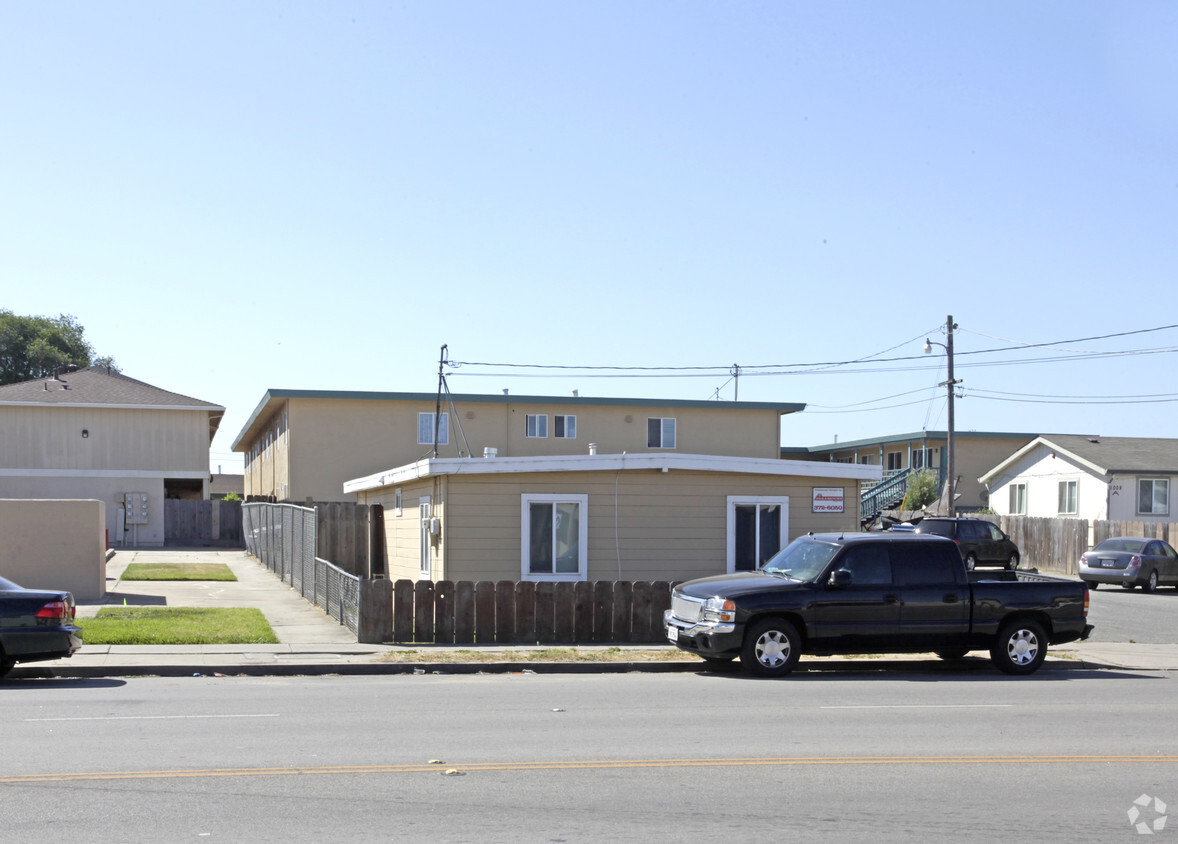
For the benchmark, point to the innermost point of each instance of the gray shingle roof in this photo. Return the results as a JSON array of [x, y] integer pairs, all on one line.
[[1121, 454], [97, 386]]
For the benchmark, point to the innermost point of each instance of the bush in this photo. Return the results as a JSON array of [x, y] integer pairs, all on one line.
[[922, 490]]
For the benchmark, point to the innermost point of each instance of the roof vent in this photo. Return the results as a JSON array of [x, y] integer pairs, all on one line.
[[489, 452]]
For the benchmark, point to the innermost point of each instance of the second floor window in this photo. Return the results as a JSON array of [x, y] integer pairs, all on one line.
[[425, 428], [660, 432], [537, 425], [564, 427]]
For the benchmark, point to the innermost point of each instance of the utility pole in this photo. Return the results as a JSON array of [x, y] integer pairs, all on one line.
[[951, 384], [441, 384]]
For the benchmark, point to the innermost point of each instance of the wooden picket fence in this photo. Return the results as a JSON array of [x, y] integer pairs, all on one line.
[[507, 612]]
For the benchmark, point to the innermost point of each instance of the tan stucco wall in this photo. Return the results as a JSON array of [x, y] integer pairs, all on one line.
[[57, 544], [330, 441], [105, 489], [126, 439], [643, 525]]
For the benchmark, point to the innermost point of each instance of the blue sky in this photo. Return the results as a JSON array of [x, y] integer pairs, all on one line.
[[232, 197]]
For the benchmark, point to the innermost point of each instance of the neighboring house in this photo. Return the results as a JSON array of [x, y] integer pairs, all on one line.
[[221, 485], [97, 434], [1093, 478], [649, 516], [304, 444], [974, 453]]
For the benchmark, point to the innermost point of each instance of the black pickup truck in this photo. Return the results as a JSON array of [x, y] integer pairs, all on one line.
[[874, 593]]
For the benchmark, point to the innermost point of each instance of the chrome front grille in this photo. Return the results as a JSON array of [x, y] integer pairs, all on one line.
[[687, 609]]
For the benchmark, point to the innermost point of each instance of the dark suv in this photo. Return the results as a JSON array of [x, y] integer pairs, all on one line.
[[982, 543]]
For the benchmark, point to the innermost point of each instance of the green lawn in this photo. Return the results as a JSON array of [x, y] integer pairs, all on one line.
[[178, 571], [177, 626]]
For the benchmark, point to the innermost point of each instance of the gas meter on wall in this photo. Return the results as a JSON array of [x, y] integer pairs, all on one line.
[[136, 508]]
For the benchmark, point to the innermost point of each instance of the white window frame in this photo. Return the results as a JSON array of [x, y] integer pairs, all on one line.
[[398, 500], [564, 426], [668, 430], [1018, 491], [896, 457], [1064, 499], [733, 501], [425, 428], [527, 499], [425, 565], [1141, 511], [536, 426]]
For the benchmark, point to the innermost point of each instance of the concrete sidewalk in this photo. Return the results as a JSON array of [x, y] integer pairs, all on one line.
[[311, 642]]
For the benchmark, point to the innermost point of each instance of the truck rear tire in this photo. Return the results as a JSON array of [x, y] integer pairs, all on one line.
[[1020, 648], [772, 648]]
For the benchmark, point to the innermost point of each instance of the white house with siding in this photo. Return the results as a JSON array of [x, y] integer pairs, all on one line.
[[1093, 478]]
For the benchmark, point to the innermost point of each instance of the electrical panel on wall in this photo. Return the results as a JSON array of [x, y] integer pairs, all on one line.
[[136, 508]]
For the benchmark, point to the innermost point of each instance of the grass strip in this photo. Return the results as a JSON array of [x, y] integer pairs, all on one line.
[[177, 626], [178, 571]]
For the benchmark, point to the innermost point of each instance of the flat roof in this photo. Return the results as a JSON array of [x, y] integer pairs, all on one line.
[[431, 467]]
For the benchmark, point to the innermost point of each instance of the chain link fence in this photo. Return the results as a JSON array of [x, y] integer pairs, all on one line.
[[282, 537]]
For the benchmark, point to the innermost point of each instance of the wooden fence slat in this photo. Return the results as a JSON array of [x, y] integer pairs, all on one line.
[[603, 612], [660, 602], [583, 611], [640, 616], [444, 612], [563, 612], [545, 613], [484, 613], [525, 612], [505, 611], [623, 603], [423, 611], [403, 611], [465, 612]]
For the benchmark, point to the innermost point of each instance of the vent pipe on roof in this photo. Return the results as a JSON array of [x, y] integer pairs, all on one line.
[[489, 452]]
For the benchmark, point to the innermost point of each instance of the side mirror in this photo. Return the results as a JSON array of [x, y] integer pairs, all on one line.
[[840, 579]]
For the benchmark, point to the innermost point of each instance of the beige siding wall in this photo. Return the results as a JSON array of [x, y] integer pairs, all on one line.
[[54, 545], [336, 440], [642, 525], [123, 439]]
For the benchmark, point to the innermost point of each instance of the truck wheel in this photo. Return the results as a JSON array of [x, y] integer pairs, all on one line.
[[1151, 585], [971, 560], [1020, 648], [772, 648], [6, 665]]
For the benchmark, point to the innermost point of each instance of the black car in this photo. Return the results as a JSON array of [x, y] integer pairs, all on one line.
[[35, 624], [982, 543]]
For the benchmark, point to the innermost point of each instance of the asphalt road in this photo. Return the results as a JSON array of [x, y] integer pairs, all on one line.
[[894, 755], [1123, 615]]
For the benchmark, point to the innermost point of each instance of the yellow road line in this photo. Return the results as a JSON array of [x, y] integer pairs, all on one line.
[[472, 767]]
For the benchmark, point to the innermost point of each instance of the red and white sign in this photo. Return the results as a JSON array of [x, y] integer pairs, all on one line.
[[828, 499]]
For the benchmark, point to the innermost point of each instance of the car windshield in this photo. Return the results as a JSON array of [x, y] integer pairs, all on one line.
[[802, 559], [1132, 546]]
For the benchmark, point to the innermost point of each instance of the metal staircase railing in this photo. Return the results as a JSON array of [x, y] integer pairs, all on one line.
[[884, 495]]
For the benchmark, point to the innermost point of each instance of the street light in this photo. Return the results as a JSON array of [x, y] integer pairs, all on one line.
[[948, 347]]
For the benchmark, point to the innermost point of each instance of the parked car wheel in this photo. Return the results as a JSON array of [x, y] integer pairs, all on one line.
[[971, 561], [772, 648], [1151, 583], [1128, 585], [5, 665], [1020, 648], [1012, 563], [1092, 584], [952, 653]]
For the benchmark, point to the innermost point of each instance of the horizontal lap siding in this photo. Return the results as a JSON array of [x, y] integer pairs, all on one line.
[[670, 526]]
